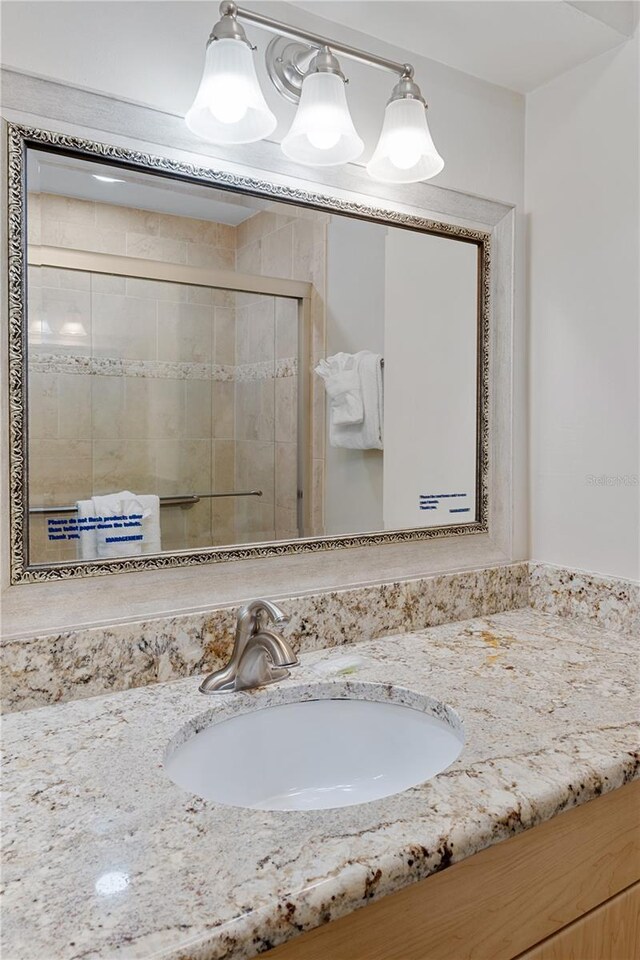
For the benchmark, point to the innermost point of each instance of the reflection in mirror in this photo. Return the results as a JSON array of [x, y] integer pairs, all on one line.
[[207, 368]]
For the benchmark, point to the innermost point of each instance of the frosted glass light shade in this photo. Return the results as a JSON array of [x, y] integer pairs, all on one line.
[[405, 152], [229, 106], [322, 133]]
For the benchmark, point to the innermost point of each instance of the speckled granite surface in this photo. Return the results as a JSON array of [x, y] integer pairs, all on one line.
[[607, 602], [105, 858], [55, 668]]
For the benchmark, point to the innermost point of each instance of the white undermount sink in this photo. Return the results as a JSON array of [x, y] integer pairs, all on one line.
[[315, 754]]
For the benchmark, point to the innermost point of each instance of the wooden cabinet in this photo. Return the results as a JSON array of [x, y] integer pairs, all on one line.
[[502, 902], [610, 932]]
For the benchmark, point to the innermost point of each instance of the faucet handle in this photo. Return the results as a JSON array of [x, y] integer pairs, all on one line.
[[249, 615]]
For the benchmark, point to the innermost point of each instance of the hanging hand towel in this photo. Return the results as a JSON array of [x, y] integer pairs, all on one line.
[[342, 383], [365, 434]]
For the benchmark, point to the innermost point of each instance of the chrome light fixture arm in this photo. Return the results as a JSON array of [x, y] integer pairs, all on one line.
[[228, 8]]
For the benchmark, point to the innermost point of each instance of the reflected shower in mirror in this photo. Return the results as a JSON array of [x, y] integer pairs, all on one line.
[[208, 368]]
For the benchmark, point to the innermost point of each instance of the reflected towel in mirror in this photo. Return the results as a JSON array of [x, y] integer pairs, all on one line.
[[138, 532], [354, 382]]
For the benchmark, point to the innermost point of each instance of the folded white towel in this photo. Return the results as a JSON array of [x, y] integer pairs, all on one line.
[[367, 433], [342, 383], [88, 545], [138, 531]]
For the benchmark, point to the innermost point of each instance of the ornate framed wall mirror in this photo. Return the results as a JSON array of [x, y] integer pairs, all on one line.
[[206, 366]]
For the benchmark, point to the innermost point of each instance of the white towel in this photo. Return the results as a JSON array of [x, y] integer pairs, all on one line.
[[88, 545], [138, 533], [366, 434], [342, 383]]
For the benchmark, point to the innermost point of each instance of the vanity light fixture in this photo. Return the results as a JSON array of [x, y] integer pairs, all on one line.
[[405, 152], [323, 133], [230, 108]]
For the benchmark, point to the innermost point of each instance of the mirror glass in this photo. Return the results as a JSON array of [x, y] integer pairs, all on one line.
[[208, 368]]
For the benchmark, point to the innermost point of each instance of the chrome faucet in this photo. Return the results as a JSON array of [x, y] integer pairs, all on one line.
[[259, 655]]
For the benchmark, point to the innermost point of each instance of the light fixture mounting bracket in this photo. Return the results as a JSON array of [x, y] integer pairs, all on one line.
[[287, 65]]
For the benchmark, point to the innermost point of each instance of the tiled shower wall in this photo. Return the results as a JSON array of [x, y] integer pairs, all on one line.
[[146, 406], [275, 244], [159, 386]]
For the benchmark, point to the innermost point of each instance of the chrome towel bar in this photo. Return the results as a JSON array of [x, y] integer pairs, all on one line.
[[177, 501]]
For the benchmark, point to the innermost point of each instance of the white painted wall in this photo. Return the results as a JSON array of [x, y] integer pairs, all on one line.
[[152, 53], [431, 328], [355, 321], [582, 194]]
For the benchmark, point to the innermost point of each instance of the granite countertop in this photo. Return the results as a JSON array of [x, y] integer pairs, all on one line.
[[104, 857]]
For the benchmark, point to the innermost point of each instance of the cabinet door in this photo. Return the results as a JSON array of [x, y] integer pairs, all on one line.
[[610, 932]]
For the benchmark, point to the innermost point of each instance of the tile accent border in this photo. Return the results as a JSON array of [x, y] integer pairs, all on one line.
[[83, 663], [165, 369], [607, 602]]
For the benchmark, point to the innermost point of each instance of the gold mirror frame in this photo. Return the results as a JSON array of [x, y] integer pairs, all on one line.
[[20, 138]]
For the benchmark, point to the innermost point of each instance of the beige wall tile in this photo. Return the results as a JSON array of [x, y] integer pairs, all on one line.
[[59, 472], [107, 407], [249, 258], [223, 466], [78, 236], [225, 236], [286, 524], [68, 316], [199, 294], [154, 408], [286, 475], [286, 410], [107, 283], [43, 405], [74, 406], [223, 522], [246, 410], [309, 248], [262, 331], [206, 255], [172, 528], [255, 468], [242, 347], [277, 253], [266, 410], [198, 408], [113, 216], [185, 332], [183, 466], [286, 314], [123, 327], [223, 412], [124, 465], [225, 335], [65, 279], [156, 248], [67, 209], [222, 298], [197, 525]]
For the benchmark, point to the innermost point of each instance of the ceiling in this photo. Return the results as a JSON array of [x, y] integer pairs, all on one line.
[[89, 180], [519, 44]]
